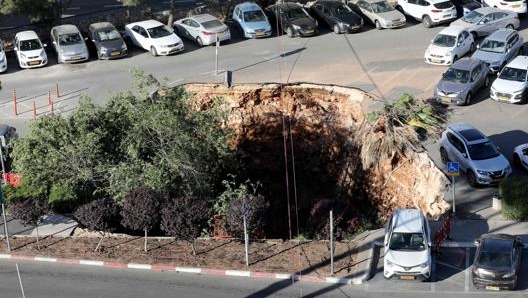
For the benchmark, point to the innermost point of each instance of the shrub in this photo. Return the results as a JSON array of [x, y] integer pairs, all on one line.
[[514, 192]]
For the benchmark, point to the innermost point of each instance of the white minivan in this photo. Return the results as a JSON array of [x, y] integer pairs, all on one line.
[[407, 246]]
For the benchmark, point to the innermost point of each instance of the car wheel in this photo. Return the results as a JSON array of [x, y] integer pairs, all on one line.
[[471, 179], [289, 32], [472, 47], [517, 160], [468, 99], [509, 26], [443, 155], [427, 22], [153, 51], [336, 29], [487, 81], [378, 25], [199, 41]]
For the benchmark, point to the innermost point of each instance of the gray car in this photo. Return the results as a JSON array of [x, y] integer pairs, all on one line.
[[485, 20], [69, 44], [499, 48], [107, 41], [379, 12], [462, 81]]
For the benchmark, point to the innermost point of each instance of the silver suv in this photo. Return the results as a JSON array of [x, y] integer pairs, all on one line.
[[499, 48], [478, 157]]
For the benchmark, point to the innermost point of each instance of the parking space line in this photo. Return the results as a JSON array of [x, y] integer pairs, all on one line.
[[448, 265], [433, 275], [366, 73], [466, 287]]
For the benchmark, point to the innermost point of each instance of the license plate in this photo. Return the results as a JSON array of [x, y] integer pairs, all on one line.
[[516, 5], [407, 277], [355, 27], [259, 34], [503, 98], [447, 15], [446, 100], [434, 60], [492, 288], [309, 31], [75, 57], [115, 53], [396, 24], [34, 62]]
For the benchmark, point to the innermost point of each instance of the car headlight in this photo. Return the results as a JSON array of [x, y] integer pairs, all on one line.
[[427, 51], [424, 265], [449, 53], [22, 56], [402, 19], [124, 47], [103, 49], [509, 274], [482, 172], [42, 53], [296, 27]]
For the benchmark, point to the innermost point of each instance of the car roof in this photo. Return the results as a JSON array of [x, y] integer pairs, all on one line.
[[146, 24], [466, 63], [248, 6], [408, 220], [101, 25], [329, 2], [286, 5], [497, 242], [488, 9], [204, 17], [68, 28], [452, 30], [26, 35], [438, 1], [501, 34], [468, 132], [520, 62]]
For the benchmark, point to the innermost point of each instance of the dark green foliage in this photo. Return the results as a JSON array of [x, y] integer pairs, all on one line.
[[29, 210], [514, 193], [99, 215], [141, 209], [185, 217]]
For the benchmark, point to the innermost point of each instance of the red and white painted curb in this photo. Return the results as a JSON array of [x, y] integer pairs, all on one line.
[[205, 271]]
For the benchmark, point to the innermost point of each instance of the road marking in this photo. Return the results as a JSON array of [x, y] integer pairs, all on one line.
[[41, 259], [91, 263], [237, 273], [188, 270], [283, 276], [4, 256], [466, 287], [433, 276], [412, 74], [448, 265], [139, 266], [367, 73]]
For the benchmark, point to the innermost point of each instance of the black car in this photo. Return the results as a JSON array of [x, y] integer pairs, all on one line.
[[497, 261], [338, 16], [107, 41], [292, 19], [465, 6]]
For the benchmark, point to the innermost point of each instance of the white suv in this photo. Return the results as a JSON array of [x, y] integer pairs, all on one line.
[[511, 85], [407, 246], [430, 12]]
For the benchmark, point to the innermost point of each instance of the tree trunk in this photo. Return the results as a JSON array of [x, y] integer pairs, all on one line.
[[38, 245], [145, 240], [98, 244], [171, 14]]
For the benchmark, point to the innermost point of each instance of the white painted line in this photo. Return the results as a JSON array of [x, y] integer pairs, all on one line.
[[41, 259], [366, 73], [237, 273], [394, 76], [91, 263], [4, 256], [188, 270], [139, 266], [283, 276], [175, 82], [466, 286], [336, 280], [433, 276], [462, 244], [412, 74]]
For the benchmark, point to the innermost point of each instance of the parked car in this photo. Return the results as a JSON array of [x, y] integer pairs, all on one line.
[[430, 12], [153, 36], [511, 85], [107, 41], [478, 157], [449, 45], [462, 81], [251, 20], [69, 44], [520, 156], [337, 16], [3, 58], [204, 29], [484, 21], [407, 245], [497, 261], [292, 19], [29, 50], [379, 12], [518, 6], [463, 7], [499, 48]]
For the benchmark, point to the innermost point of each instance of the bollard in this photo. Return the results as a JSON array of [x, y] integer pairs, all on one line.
[[34, 111], [49, 97], [228, 78], [57, 89], [52, 112], [14, 101]]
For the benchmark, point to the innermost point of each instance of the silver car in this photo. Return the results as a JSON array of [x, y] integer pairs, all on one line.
[[485, 20], [379, 12], [69, 44], [462, 81], [251, 20], [204, 29], [499, 48]]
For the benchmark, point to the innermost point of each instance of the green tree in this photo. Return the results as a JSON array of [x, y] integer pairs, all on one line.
[[36, 10]]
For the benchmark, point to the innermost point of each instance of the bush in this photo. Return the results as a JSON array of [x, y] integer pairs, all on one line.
[[514, 192]]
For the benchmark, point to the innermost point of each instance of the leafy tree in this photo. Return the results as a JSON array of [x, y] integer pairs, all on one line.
[[100, 215], [36, 10], [184, 218], [30, 212], [141, 210]]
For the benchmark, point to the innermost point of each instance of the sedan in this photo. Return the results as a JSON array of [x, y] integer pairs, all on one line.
[[497, 261], [338, 16], [448, 45], [3, 59], [520, 156], [484, 21], [153, 36], [251, 20], [29, 50], [380, 13], [499, 48], [69, 44], [108, 42], [204, 29], [292, 19], [462, 81]]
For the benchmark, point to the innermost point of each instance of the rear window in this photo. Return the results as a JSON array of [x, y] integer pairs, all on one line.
[[520, 1], [443, 5]]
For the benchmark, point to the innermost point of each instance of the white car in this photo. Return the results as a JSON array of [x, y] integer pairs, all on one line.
[[3, 59], [449, 45], [518, 6], [204, 29], [430, 12], [512, 85], [153, 36], [29, 50], [520, 156]]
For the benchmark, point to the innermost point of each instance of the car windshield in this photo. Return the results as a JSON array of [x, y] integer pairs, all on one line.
[[70, 39], [482, 151], [443, 40], [513, 74], [212, 24], [107, 34], [407, 241], [493, 46], [254, 16], [494, 259], [30, 45], [456, 75], [381, 6], [472, 17], [157, 32], [296, 13], [341, 9]]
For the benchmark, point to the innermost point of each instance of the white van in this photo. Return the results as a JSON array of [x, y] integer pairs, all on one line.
[[407, 246]]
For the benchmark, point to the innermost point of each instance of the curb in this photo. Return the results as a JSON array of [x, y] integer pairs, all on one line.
[[189, 270]]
